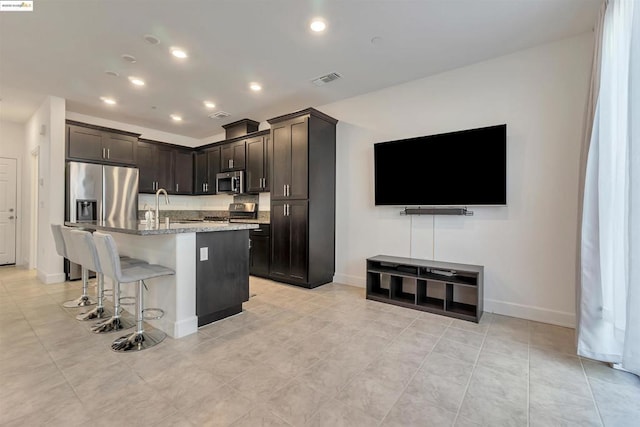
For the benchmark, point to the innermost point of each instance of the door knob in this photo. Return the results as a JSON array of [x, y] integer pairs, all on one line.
[[11, 217], [10, 209]]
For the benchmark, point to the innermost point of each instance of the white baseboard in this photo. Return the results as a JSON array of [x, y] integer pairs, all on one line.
[[346, 279], [48, 279], [528, 312], [185, 327], [538, 314]]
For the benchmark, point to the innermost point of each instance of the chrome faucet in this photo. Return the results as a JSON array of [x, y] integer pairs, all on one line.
[[166, 200]]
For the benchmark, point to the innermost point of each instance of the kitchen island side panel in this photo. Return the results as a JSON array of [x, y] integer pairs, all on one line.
[[222, 274], [174, 294]]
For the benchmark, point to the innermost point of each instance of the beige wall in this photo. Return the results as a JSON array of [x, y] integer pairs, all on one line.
[[527, 247]]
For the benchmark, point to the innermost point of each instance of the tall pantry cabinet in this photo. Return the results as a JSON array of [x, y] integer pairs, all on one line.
[[303, 188]]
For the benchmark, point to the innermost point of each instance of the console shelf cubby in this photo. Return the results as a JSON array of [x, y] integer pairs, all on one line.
[[445, 288]]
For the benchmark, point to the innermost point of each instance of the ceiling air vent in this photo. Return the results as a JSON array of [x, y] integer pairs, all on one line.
[[323, 80], [219, 115]]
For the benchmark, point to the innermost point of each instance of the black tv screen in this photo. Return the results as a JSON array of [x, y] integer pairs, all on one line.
[[461, 168]]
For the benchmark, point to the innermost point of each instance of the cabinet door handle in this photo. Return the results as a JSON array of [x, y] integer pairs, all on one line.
[[284, 209], [177, 187], [103, 154], [108, 153], [284, 190], [288, 209]]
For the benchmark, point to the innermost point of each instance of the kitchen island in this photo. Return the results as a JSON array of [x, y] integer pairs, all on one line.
[[211, 261]]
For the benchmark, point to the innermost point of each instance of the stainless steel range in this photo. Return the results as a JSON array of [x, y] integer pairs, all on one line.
[[243, 211]]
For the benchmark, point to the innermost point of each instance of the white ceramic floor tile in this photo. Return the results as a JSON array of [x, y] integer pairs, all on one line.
[[320, 357]]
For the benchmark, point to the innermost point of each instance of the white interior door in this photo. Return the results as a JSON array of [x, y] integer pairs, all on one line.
[[7, 211]]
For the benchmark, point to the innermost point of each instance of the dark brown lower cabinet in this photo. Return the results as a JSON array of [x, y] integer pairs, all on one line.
[[260, 251], [289, 237], [222, 279]]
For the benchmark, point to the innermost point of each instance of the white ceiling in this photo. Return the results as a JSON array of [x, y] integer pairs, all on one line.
[[64, 47]]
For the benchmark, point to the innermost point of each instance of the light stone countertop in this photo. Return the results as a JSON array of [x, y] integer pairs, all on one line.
[[143, 229]]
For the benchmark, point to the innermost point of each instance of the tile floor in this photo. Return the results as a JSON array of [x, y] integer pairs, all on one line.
[[295, 357]]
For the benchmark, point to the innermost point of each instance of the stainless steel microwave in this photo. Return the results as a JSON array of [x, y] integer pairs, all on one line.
[[230, 182]]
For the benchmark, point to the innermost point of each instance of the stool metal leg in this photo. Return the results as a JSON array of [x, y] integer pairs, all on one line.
[[99, 312], [115, 322], [140, 339], [84, 299]]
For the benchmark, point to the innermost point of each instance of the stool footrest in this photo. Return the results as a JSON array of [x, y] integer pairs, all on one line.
[[127, 300], [160, 314]]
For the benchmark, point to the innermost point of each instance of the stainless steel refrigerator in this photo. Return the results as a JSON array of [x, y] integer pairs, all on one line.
[[100, 193]]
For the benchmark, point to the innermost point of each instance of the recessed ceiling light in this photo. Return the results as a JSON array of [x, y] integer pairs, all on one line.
[[136, 81], [151, 39], [178, 53], [255, 86], [209, 104], [176, 118], [112, 73], [318, 25], [107, 100], [129, 58]]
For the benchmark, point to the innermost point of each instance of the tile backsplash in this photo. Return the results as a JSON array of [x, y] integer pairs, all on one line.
[[195, 207]]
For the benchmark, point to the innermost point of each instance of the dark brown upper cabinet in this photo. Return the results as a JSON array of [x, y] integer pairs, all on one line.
[[233, 156], [183, 178], [164, 166], [290, 169], [98, 145], [258, 164], [207, 165]]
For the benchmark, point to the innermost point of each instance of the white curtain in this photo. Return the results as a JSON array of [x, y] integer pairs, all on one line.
[[609, 326]]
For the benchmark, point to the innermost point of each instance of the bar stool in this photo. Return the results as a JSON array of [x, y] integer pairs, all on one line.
[[62, 249], [111, 267], [84, 250]]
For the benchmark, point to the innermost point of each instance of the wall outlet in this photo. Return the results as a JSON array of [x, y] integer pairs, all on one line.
[[204, 254]]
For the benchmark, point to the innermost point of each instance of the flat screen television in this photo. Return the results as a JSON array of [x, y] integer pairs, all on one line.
[[463, 168]]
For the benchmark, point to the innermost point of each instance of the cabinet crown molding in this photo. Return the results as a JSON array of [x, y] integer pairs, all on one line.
[[308, 111], [102, 128]]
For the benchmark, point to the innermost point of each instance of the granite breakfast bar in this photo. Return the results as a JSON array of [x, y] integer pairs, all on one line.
[[210, 261]]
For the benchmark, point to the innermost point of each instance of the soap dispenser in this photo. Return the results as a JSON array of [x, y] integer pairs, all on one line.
[[148, 215]]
